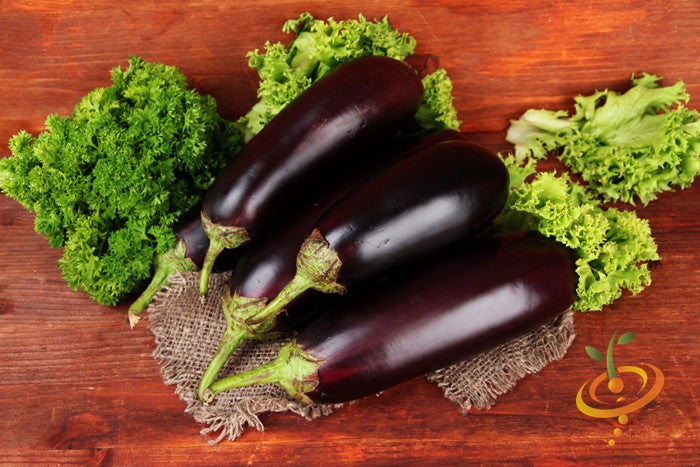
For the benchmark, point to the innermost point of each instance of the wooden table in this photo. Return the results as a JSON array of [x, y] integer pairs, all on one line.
[[78, 386]]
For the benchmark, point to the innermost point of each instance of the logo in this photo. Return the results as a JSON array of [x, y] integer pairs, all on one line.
[[618, 391]]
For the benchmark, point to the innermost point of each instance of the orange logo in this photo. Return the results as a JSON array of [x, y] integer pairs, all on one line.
[[627, 388]]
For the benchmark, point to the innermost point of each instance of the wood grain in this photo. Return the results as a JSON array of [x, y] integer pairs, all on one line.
[[77, 386]]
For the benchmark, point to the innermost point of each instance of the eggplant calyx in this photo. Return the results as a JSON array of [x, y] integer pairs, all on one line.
[[171, 262], [319, 263], [294, 369], [243, 312], [318, 266], [221, 237], [237, 310]]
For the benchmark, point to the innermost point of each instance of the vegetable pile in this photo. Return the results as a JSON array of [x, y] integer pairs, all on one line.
[[426, 201], [109, 182], [347, 178]]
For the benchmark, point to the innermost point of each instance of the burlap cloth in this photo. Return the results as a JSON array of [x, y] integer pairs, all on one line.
[[187, 333]]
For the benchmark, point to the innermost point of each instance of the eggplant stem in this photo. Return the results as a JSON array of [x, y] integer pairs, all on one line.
[[229, 342], [236, 309], [213, 252], [221, 237], [276, 306], [167, 264], [294, 369], [318, 266]]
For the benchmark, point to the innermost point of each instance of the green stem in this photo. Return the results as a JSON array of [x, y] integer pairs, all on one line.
[[251, 318], [167, 264], [293, 289], [612, 373], [221, 237], [237, 310], [294, 369], [318, 266], [231, 340], [213, 252]]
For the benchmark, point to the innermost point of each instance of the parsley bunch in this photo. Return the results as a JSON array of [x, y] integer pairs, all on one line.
[[108, 182]]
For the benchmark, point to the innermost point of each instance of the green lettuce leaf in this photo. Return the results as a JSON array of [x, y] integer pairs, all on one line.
[[627, 146], [612, 247], [318, 47]]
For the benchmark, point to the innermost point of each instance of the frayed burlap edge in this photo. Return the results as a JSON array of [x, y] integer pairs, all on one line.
[[187, 332], [478, 381]]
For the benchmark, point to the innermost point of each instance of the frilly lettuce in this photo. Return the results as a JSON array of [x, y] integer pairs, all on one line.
[[625, 146], [318, 47], [612, 246]]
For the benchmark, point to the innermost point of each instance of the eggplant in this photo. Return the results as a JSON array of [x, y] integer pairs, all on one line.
[[269, 264], [421, 204], [465, 301], [323, 132]]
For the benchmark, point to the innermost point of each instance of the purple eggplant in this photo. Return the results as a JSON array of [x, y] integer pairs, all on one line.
[[421, 204], [328, 129], [269, 264], [466, 301]]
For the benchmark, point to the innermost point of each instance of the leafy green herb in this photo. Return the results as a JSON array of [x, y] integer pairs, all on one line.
[[612, 247], [108, 182], [625, 146], [319, 47]]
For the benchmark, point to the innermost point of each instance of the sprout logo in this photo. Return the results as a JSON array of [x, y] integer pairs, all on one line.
[[628, 388]]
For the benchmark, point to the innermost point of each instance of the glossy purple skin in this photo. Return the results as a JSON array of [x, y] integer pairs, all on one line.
[[191, 233], [324, 131], [264, 270], [419, 205], [468, 301], [266, 267]]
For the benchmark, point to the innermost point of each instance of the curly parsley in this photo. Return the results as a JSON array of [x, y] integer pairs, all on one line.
[[108, 182]]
